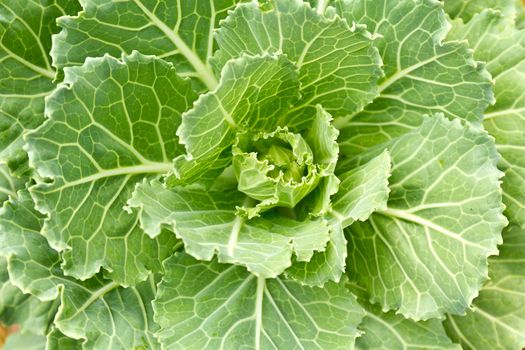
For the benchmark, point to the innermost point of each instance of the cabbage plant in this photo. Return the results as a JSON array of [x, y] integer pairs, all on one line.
[[272, 174]]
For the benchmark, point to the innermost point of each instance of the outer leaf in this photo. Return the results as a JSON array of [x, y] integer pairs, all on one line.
[[426, 253], [343, 81], [207, 223], [497, 320], [18, 341], [253, 94], [493, 36], [423, 75], [112, 123], [26, 311], [466, 9], [26, 75], [58, 341], [96, 310], [388, 331], [362, 191], [226, 307], [178, 30]]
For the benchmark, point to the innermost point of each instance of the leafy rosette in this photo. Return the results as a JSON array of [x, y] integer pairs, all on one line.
[[271, 174], [278, 208]]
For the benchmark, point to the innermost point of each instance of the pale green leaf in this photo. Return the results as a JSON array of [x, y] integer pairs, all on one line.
[[320, 6], [328, 265], [213, 306], [362, 191], [321, 136], [254, 94], [388, 331], [338, 65], [180, 31], [27, 341], [426, 254], [423, 74], [26, 75], [497, 321], [111, 124], [466, 9], [520, 14], [58, 341], [496, 41], [96, 310], [17, 308], [207, 223]]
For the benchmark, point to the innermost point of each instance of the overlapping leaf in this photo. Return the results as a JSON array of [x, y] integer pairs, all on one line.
[[362, 191], [179, 31], [426, 253], [26, 75], [111, 124], [496, 41], [388, 331], [97, 310], [213, 306], [253, 94], [207, 223], [423, 75], [338, 65], [28, 341]]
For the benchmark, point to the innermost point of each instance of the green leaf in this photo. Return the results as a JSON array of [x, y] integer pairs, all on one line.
[[58, 341], [324, 266], [111, 124], [321, 136], [338, 65], [226, 307], [26, 75], [17, 308], [96, 310], [497, 320], [267, 85], [426, 254], [207, 223], [388, 331], [492, 35], [423, 75], [362, 191], [177, 30], [520, 14], [18, 341], [466, 9]]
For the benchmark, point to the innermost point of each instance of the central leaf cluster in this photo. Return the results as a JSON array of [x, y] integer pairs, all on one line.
[[278, 169]]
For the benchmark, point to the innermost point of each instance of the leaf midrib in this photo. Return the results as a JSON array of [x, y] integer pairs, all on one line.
[[204, 72]]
